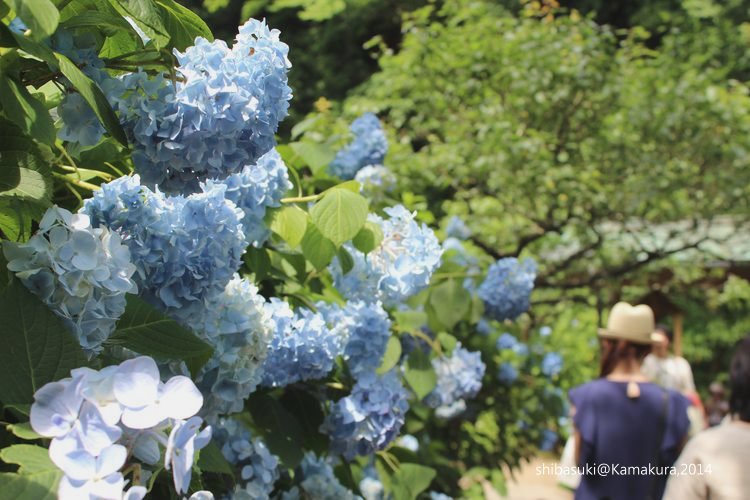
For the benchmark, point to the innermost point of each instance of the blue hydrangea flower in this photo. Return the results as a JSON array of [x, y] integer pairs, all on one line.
[[318, 481], [457, 228], [79, 122], [484, 327], [185, 439], [303, 347], [222, 115], [254, 189], [399, 267], [507, 373], [409, 442], [552, 364], [459, 377], [186, 249], [520, 349], [545, 331], [17, 26], [367, 329], [372, 488], [369, 418], [368, 147], [238, 326], [375, 181], [258, 468], [80, 272], [506, 341], [507, 288], [436, 495], [548, 440]]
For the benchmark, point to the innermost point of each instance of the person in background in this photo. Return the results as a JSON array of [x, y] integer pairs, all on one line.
[[717, 407], [714, 463], [622, 418]]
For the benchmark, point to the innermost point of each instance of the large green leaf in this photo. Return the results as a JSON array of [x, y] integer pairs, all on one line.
[[107, 22], [148, 16], [391, 356], [23, 175], [30, 458], [419, 373], [41, 16], [280, 429], [38, 486], [410, 480], [368, 238], [316, 156], [94, 96], [20, 107], [289, 222], [317, 248], [182, 24], [212, 460], [36, 347], [340, 214], [450, 302], [147, 331]]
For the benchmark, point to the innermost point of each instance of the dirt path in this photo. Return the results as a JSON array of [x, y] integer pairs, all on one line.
[[534, 481]]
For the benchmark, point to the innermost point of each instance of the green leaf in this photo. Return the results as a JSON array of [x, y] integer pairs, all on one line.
[[419, 373], [410, 320], [345, 259], [95, 98], [23, 431], [368, 238], [20, 107], [448, 342], [148, 16], [39, 486], [30, 458], [410, 480], [41, 16], [147, 331], [22, 175], [108, 23], [450, 302], [212, 460], [259, 262], [280, 429], [391, 356], [339, 215], [182, 24], [37, 348], [36, 49], [289, 222], [316, 248], [315, 155], [307, 410]]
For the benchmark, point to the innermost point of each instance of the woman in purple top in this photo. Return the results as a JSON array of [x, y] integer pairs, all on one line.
[[628, 431]]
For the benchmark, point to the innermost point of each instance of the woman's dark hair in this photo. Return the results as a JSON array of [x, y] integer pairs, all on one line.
[[739, 380], [615, 350], [661, 327]]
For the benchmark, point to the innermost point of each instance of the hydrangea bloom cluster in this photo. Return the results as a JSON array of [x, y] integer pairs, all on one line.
[[368, 148], [399, 267], [303, 347], [97, 418], [436, 495], [371, 486], [506, 341], [82, 273], [457, 228], [455, 252], [507, 373], [222, 115], [375, 181], [258, 467], [459, 377], [185, 248], [367, 329], [369, 418], [552, 364], [318, 481], [238, 326], [254, 189], [548, 440], [507, 288]]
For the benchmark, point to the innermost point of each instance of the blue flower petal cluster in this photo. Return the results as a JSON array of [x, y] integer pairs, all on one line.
[[186, 249], [552, 364], [95, 417], [399, 267], [79, 122], [457, 228], [368, 147], [436, 495], [454, 251], [258, 467], [318, 481], [303, 347], [254, 189], [507, 373], [548, 440], [506, 341], [238, 326], [507, 288], [82, 273], [366, 328], [459, 377], [369, 418], [375, 181], [222, 114]]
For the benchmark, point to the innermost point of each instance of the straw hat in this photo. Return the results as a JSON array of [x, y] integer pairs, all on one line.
[[632, 323]]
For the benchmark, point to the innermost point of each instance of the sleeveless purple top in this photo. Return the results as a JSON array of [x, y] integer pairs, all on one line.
[[622, 432]]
